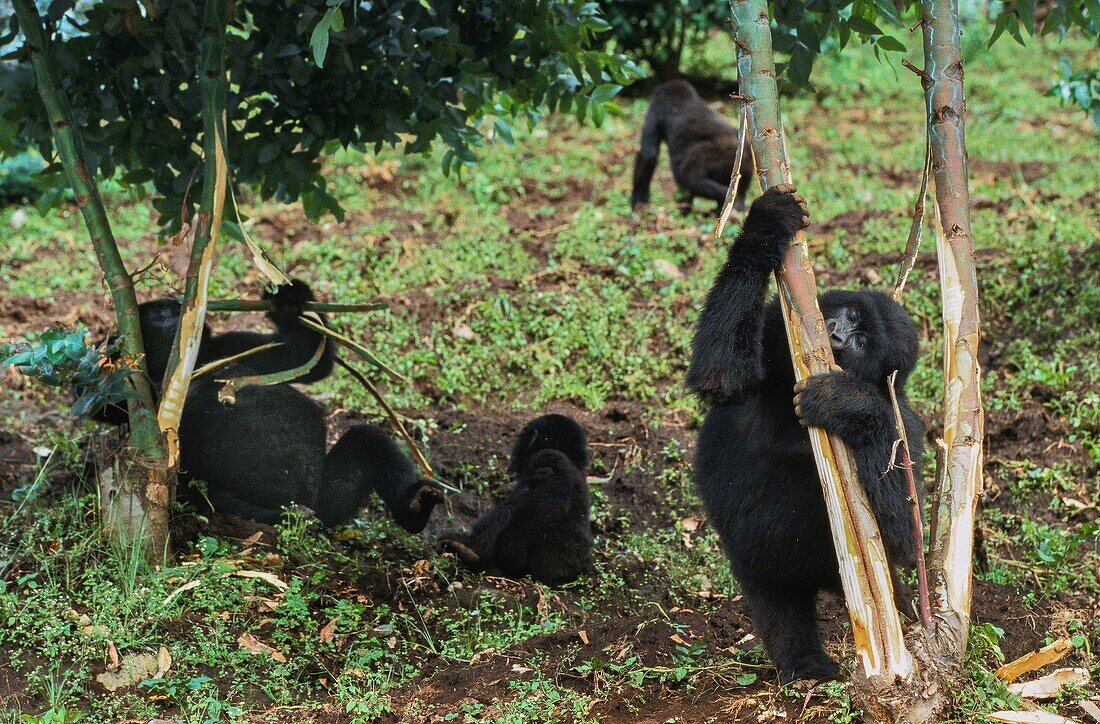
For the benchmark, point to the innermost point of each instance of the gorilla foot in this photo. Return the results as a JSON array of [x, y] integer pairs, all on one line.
[[812, 666], [418, 507], [464, 553]]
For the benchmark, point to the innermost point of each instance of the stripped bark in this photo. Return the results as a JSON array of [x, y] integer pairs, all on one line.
[[864, 570], [213, 84]]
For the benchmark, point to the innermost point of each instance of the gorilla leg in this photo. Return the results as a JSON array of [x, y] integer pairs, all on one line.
[[367, 459], [787, 623], [645, 162]]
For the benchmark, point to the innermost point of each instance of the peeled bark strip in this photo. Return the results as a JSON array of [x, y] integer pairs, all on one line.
[[876, 625], [959, 479], [208, 221]]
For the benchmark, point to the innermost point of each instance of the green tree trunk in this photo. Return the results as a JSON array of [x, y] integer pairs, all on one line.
[[138, 491]]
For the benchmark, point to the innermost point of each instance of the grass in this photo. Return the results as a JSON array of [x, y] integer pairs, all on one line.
[[524, 282]]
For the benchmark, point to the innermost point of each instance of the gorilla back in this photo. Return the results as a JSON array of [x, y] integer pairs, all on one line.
[[754, 466], [702, 147]]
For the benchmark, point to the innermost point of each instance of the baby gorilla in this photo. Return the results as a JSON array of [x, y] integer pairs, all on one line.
[[754, 466], [702, 148], [267, 450], [541, 529]]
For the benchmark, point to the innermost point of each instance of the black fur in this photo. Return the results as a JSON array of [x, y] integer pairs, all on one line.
[[702, 148], [541, 528], [754, 467], [267, 450]]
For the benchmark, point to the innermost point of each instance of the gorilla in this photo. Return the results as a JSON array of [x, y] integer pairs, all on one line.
[[541, 528], [754, 467], [702, 148], [267, 450]]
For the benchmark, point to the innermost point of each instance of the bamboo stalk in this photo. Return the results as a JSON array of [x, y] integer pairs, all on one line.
[[70, 147], [185, 351], [960, 476], [864, 570], [230, 385], [265, 305]]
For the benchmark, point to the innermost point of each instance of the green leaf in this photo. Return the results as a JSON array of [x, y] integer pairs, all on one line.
[[888, 42], [605, 92], [318, 41], [863, 26]]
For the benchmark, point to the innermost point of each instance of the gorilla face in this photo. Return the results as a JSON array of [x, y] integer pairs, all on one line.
[[870, 334]]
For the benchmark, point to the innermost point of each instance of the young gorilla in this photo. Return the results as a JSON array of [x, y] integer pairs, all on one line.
[[267, 450], [541, 529], [701, 146], [754, 467]]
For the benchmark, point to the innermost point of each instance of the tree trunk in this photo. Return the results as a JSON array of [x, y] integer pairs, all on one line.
[[864, 570], [144, 491], [898, 679], [960, 476]]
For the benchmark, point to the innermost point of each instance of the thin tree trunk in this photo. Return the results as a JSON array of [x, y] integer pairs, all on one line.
[[185, 351], [135, 501], [864, 570], [959, 478]]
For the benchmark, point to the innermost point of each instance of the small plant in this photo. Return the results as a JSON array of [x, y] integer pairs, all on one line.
[[1081, 87], [63, 358]]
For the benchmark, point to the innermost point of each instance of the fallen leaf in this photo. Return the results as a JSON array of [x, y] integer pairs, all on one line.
[[253, 539], [264, 576], [328, 633], [112, 655], [1047, 687], [1029, 717], [518, 669], [691, 523], [667, 269], [255, 647], [1035, 660], [678, 639], [1090, 708], [584, 636], [164, 661], [185, 587], [133, 668]]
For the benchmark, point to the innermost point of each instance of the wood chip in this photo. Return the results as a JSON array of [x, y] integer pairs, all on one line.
[[1029, 717], [584, 636], [1035, 660], [1090, 708], [1047, 687]]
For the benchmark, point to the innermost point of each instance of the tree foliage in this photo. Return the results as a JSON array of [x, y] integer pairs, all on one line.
[[303, 76], [657, 32]]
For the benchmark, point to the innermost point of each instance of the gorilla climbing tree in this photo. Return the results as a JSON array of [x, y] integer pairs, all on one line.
[[253, 93], [902, 676]]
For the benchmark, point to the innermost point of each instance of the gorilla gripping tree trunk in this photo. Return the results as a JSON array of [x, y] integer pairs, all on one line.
[[135, 492], [864, 571], [898, 680], [959, 478]]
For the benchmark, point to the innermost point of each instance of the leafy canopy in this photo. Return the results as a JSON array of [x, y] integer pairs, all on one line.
[[304, 75]]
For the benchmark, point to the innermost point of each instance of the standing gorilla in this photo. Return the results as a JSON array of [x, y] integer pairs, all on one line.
[[754, 467], [702, 148], [267, 450], [541, 529]]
